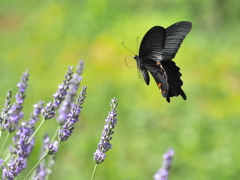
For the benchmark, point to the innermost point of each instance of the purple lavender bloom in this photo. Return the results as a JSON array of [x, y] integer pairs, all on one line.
[[67, 104], [36, 113], [48, 111], [59, 96], [14, 167], [41, 172], [21, 138], [65, 132], [20, 145], [104, 144], [15, 113], [53, 147], [99, 156], [20, 150], [5, 111], [162, 173]]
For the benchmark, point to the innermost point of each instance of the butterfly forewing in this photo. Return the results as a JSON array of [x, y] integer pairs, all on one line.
[[174, 37], [152, 44]]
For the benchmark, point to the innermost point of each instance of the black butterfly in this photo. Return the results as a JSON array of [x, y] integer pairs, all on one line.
[[158, 47]]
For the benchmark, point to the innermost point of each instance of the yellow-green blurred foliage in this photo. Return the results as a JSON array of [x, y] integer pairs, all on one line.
[[47, 36]]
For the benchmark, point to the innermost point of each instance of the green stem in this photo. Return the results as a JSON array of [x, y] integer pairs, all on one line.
[[4, 142], [40, 125], [94, 171], [35, 166], [55, 134]]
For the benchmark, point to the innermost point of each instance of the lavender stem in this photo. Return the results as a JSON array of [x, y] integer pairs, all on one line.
[[35, 166], [36, 131], [55, 134], [94, 171]]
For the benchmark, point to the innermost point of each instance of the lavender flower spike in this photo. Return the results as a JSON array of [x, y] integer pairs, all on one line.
[[162, 173], [20, 150], [66, 130], [107, 132], [67, 104], [5, 111], [15, 112]]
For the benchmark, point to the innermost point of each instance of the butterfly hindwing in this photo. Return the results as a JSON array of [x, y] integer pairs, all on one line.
[[159, 75], [174, 81]]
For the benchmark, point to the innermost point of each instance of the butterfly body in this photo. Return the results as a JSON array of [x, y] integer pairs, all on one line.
[[158, 47]]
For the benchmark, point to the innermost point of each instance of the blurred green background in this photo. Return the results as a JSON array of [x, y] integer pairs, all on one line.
[[47, 36]]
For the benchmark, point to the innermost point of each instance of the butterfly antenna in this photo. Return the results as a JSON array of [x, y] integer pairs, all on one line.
[[128, 49], [127, 64]]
